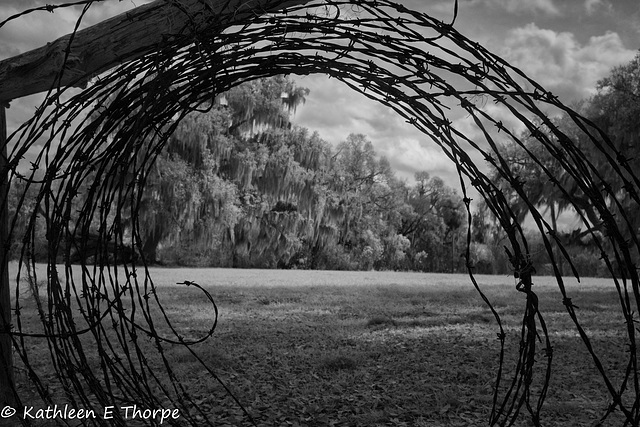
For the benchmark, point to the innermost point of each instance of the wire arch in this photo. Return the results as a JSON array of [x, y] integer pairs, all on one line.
[[103, 141]]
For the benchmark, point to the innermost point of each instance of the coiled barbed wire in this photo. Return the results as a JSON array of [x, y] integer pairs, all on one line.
[[100, 143]]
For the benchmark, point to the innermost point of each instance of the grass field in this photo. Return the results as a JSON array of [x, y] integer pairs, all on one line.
[[326, 348]]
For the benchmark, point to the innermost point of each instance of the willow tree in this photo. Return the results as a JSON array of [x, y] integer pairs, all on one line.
[[192, 195], [284, 196], [186, 202], [263, 104]]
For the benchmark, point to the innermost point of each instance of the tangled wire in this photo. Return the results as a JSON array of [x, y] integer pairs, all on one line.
[[98, 146]]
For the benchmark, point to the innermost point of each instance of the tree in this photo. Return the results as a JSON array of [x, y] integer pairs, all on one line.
[[370, 199], [528, 159], [487, 238], [193, 194], [23, 208], [615, 109], [279, 173], [264, 103], [435, 216]]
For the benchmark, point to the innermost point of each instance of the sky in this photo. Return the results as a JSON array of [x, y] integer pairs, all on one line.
[[565, 45]]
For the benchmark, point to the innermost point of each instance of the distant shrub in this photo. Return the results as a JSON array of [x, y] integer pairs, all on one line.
[[483, 258], [395, 248], [334, 257], [588, 264]]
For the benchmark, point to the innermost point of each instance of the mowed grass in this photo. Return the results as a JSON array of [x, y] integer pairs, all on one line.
[[325, 348]]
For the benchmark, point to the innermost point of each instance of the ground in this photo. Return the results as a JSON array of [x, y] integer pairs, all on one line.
[[325, 348]]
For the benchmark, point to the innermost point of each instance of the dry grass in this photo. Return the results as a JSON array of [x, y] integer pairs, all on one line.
[[314, 348]]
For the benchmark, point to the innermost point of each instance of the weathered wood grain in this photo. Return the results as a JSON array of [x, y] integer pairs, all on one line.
[[120, 39]]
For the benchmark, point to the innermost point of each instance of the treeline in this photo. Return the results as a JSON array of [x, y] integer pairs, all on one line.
[[241, 186], [238, 185], [614, 109]]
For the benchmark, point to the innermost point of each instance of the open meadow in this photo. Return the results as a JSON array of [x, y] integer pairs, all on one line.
[[329, 348]]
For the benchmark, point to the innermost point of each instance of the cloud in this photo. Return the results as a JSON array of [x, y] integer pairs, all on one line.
[[518, 7], [335, 111], [442, 8], [559, 63], [33, 30], [37, 28], [555, 59], [408, 156], [592, 6], [22, 4], [332, 108]]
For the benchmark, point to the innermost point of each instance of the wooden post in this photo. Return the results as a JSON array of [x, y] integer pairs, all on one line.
[[120, 39], [6, 348]]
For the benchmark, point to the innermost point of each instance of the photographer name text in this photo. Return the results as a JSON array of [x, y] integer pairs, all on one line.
[[67, 412]]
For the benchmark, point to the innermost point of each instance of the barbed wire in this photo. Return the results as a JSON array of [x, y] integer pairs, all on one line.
[[98, 147]]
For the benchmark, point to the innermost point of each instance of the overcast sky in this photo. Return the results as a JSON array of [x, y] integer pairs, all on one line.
[[566, 45]]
